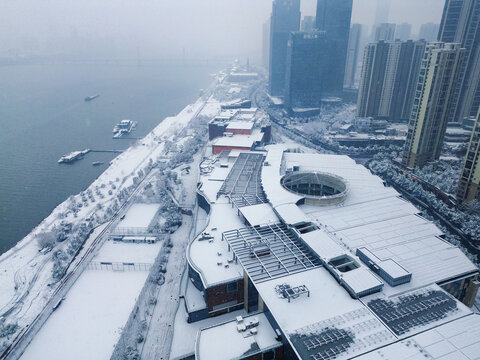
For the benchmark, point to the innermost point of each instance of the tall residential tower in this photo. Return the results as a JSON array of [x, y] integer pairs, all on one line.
[[389, 76], [434, 96], [469, 184], [461, 24]]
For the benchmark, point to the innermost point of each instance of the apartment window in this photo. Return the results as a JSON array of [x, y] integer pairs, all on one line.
[[232, 287]]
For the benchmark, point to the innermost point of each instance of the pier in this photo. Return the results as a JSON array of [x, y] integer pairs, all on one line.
[[79, 154]]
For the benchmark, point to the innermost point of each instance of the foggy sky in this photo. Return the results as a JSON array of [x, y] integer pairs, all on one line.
[[165, 28]]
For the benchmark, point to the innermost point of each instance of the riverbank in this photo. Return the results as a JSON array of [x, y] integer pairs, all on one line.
[[26, 273]]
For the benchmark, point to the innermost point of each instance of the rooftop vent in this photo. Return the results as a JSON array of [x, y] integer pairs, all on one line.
[[288, 292]]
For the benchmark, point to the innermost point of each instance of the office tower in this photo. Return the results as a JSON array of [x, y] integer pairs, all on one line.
[[429, 32], [434, 96], [333, 16], [385, 32], [469, 183], [285, 19], [308, 67], [266, 44], [308, 24], [352, 55], [389, 75], [461, 24], [403, 31]]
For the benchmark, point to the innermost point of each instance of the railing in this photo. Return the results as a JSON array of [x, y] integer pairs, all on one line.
[[118, 266]]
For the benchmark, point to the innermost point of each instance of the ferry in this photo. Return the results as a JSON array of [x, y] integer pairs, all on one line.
[[73, 156], [123, 127], [93, 97]]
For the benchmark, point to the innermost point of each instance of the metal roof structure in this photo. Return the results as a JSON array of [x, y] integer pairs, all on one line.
[[270, 251], [243, 185]]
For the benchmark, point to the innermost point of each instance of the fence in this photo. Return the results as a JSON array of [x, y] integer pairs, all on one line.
[[118, 266]]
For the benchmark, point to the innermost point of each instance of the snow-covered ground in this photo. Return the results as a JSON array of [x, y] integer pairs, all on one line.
[[127, 252], [23, 268], [139, 216], [88, 323]]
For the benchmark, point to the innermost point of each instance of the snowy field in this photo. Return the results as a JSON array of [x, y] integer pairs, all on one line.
[[139, 216], [88, 323], [127, 252]]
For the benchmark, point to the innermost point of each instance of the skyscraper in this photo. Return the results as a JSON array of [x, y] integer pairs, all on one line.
[[469, 184], [308, 67], [435, 94], [385, 32], [429, 32], [461, 24], [334, 16], [352, 54], [285, 19], [308, 23], [389, 76], [403, 31]]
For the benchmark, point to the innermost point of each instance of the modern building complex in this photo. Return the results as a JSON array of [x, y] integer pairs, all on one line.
[[461, 24], [285, 19], [334, 16], [252, 126], [385, 32], [434, 97], [469, 184], [308, 69], [389, 76], [353, 49], [310, 256]]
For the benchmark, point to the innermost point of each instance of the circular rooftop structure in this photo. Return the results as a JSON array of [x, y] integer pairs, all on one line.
[[317, 188]]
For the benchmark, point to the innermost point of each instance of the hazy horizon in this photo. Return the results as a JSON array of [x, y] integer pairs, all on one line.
[[167, 29]]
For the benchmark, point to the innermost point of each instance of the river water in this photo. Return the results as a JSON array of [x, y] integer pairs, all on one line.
[[43, 116]]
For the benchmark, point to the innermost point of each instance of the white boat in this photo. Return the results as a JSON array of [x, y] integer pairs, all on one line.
[[123, 127], [73, 156]]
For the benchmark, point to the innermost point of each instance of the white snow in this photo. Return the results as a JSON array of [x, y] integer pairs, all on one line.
[[205, 256], [127, 252], [19, 265], [185, 334], [139, 216], [88, 322], [234, 344]]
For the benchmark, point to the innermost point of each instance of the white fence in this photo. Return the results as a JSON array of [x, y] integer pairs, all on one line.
[[118, 266]]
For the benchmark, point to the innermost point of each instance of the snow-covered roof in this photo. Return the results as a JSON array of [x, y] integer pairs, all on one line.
[[210, 257], [240, 125], [456, 341], [291, 214], [259, 214], [226, 341], [243, 141], [371, 216], [327, 306]]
